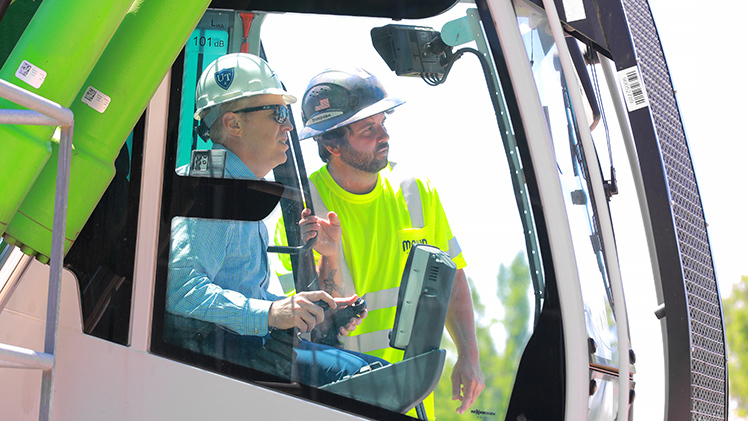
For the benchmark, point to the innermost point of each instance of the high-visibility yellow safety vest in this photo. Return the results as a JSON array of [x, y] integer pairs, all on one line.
[[379, 228]]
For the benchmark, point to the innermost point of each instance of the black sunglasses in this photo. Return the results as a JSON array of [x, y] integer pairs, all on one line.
[[281, 111]]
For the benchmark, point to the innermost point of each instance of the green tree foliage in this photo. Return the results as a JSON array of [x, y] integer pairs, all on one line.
[[736, 325], [499, 368]]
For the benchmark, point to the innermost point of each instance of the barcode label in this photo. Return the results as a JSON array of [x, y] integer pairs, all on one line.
[[95, 99], [31, 74], [25, 68], [633, 89]]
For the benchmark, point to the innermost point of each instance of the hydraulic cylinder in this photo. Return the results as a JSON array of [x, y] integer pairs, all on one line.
[[52, 58], [106, 109]]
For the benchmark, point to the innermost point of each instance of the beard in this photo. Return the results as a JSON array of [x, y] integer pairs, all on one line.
[[361, 160]]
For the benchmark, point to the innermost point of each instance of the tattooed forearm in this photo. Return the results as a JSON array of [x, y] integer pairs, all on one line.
[[329, 285]]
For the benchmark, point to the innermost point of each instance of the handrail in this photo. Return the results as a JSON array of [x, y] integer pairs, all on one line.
[[62, 116], [45, 112], [17, 357]]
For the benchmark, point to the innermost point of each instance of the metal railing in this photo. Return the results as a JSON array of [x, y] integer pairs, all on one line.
[[42, 111]]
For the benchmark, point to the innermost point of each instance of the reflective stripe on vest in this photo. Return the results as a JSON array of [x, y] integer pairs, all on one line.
[[377, 300], [372, 341], [367, 342], [454, 248], [412, 195]]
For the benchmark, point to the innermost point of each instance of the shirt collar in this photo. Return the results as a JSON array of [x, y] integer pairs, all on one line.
[[235, 167]]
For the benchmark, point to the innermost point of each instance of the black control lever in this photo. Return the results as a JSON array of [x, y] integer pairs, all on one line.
[[327, 333]]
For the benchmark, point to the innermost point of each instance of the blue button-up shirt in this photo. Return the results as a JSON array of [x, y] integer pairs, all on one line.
[[218, 269]]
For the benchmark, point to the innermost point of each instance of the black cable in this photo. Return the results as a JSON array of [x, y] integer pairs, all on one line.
[[611, 185], [598, 96], [433, 79]]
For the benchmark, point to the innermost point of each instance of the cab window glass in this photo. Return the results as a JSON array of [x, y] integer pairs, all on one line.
[[574, 174], [443, 153], [103, 257]]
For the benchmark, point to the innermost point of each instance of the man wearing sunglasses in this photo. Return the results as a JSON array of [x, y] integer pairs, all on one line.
[[217, 289]]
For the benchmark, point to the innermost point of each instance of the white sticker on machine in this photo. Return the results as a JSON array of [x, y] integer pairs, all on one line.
[[633, 88], [31, 74], [574, 10], [95, 99]]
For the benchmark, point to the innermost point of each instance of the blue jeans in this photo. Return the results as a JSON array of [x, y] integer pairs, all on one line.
[[318, 364], [312, 364]]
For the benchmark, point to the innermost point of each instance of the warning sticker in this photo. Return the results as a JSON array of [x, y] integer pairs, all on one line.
[[95, 99], [633, 88], [31, 74]]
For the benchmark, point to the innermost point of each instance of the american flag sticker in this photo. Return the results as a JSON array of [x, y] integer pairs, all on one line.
[[323, 104]]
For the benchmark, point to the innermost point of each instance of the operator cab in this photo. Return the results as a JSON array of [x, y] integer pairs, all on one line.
[[448, 126], [454, 130], [199, 189]]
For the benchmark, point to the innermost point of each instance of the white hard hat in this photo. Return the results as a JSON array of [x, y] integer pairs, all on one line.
[[234, 76]]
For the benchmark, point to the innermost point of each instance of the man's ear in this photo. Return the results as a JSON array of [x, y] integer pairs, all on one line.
[[334, 150], [231, 123]]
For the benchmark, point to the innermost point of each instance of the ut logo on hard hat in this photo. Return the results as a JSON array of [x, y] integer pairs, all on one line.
[[224, 77]]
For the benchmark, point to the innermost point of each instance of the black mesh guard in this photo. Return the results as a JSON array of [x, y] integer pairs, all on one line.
[[708, 359]]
